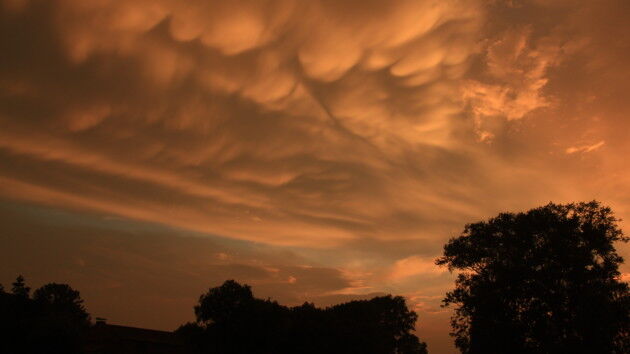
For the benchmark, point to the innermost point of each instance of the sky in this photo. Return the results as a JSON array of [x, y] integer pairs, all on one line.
[[318, 150]]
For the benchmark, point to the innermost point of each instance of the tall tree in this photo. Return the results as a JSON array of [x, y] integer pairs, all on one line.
[[542, 281], [19, 287]]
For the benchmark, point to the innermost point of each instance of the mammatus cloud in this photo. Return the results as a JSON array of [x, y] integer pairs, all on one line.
[[359, 135], [287, 119]]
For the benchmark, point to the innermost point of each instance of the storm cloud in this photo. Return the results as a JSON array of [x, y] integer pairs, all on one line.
[[317, 150]]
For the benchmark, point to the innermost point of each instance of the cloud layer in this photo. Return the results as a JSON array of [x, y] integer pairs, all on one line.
[[358, 134]]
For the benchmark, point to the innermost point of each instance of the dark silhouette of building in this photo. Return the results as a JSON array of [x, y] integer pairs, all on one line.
[[103, 338]]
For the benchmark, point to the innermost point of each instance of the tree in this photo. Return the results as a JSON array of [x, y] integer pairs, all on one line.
[[382, 324], [543, 281], [62, 299], [61, 319], [19, 287], [231, 320], [53, 321], [222, 303]]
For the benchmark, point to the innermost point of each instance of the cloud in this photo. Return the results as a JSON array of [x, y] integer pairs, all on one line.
[[584, 148], [515, 75], [283, 118], [127, 270], [414, 265], [359, 135]]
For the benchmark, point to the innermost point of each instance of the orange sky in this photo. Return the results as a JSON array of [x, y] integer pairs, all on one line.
[[318, 151]]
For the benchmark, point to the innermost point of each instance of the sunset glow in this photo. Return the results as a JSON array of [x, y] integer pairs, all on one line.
[[316, 150]]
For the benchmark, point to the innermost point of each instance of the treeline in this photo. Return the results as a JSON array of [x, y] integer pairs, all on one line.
[[231, 320], [52, 320], [542, 281]]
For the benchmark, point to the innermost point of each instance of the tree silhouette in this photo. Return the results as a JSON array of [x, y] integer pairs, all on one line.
[[61, 320], [53, 321], [61, 299], [222, 303], [543, 281], [19, 287], [231, 320], [380, 325]]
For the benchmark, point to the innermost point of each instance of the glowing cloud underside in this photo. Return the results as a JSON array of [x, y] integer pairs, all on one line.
[[355, 135]]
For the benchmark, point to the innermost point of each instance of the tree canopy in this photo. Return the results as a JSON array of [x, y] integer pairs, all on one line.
[[541, 281], [19, 288], [231, 320], [52, 321], [62, 300]]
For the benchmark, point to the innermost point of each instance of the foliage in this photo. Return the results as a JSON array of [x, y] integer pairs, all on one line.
[[544, 281], [231, 320], [223, 302], [19, 287], [53, 321], [62, 300]]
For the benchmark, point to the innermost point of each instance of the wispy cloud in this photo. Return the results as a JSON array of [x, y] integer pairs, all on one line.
[[584, 148]]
